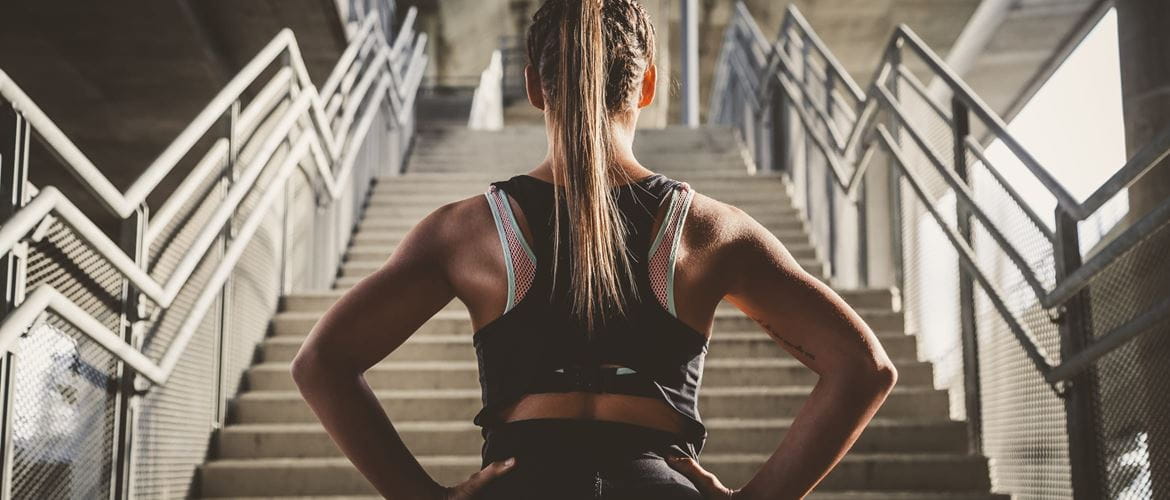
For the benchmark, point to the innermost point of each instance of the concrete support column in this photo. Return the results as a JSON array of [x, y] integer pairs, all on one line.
[[690, 62], [1144, 43]]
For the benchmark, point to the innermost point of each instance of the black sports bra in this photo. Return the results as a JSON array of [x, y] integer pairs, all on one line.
[[536, 346]]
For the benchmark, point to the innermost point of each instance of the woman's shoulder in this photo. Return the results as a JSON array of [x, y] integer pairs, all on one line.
[[456, 223], [712, 224], [717, 234]]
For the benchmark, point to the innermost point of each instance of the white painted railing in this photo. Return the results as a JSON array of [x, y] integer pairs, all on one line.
[[285, 166]]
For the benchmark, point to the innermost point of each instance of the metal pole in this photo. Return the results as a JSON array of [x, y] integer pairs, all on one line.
[[895, 180], [127, 401], [781, 131], [690, 63], [1075, 334], [230, 174], [967, 324], [13, 186], [830, 187]]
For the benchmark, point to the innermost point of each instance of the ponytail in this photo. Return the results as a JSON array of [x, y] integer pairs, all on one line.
[[569, 47]]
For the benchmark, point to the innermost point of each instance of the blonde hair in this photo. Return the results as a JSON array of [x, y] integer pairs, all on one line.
[[591, 56]]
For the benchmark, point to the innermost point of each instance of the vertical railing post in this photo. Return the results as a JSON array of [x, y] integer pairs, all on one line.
[[285, 254], [895, 177], [286, 280], [960, 116], [690, 62], [862, 205], [14, 132], [230, 175], [807, 143], [781, 128], [129, 395], [830, 179], [1075, 333]]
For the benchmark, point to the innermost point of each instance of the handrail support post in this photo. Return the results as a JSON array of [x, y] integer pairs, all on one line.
[[14, 187], [968, 327], [1075, 334], [894, 59], [230, 175], [129, 396]]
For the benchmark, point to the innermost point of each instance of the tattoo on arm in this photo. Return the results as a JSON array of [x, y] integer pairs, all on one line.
[[773, 334]]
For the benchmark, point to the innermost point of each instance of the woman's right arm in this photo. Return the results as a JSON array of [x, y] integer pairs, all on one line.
[[365, 325]]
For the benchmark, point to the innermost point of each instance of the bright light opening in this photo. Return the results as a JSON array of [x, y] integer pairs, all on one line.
[[1073, 126]]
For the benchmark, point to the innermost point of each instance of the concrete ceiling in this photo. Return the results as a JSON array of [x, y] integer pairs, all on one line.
[[856, 31], [1011, 52]]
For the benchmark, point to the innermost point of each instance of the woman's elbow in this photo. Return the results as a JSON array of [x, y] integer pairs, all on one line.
[[884, 375], [307, 367], [301, 367], [876, 375]]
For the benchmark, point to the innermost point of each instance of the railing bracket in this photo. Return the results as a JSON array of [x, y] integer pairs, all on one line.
[[1057, 314], [42, 229]]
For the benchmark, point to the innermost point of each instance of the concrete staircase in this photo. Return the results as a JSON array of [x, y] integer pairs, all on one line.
[[274, 447]]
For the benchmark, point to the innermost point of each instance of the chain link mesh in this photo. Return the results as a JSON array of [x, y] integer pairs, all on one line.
[[63, 405], [1133, 382]]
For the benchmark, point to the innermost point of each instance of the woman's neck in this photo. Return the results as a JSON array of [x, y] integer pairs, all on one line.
[[624, 166]]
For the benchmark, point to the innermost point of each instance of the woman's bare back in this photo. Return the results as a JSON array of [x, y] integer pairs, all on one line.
[[480, 282]]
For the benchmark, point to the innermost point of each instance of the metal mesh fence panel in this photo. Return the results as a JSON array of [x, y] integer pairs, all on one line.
[[1024, 433], [63, 407], [254, 289], [930, 298], [174, 421], [300, 241], [1133, 382]]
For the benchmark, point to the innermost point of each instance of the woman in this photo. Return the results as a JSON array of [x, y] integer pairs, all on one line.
[[590, 361]]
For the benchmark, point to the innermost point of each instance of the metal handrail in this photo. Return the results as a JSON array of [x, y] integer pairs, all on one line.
[[745, 47], [333, 146]]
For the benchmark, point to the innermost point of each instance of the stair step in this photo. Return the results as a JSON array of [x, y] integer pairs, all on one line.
[[764, 181], [463, 404], [363, 268], [832, 495], [378, 253], [393, 230], [725, 345], [307, 440], [871, 298], [408, 372], [335, 475], [379, 207], [458, 322], [734, 192]]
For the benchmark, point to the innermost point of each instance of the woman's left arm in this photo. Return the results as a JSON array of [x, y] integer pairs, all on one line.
[[365, 325], [810, 321]]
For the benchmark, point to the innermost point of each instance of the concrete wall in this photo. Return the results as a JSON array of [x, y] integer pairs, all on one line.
[[465, 32]]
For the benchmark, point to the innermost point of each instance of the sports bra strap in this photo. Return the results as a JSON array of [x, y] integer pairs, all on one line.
[[662, 256], [519, 260]]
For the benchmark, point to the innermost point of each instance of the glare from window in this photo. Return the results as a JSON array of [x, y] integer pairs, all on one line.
[[1073, 126]]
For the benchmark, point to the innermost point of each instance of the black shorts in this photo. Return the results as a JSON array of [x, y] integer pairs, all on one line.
[[584, 459]]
